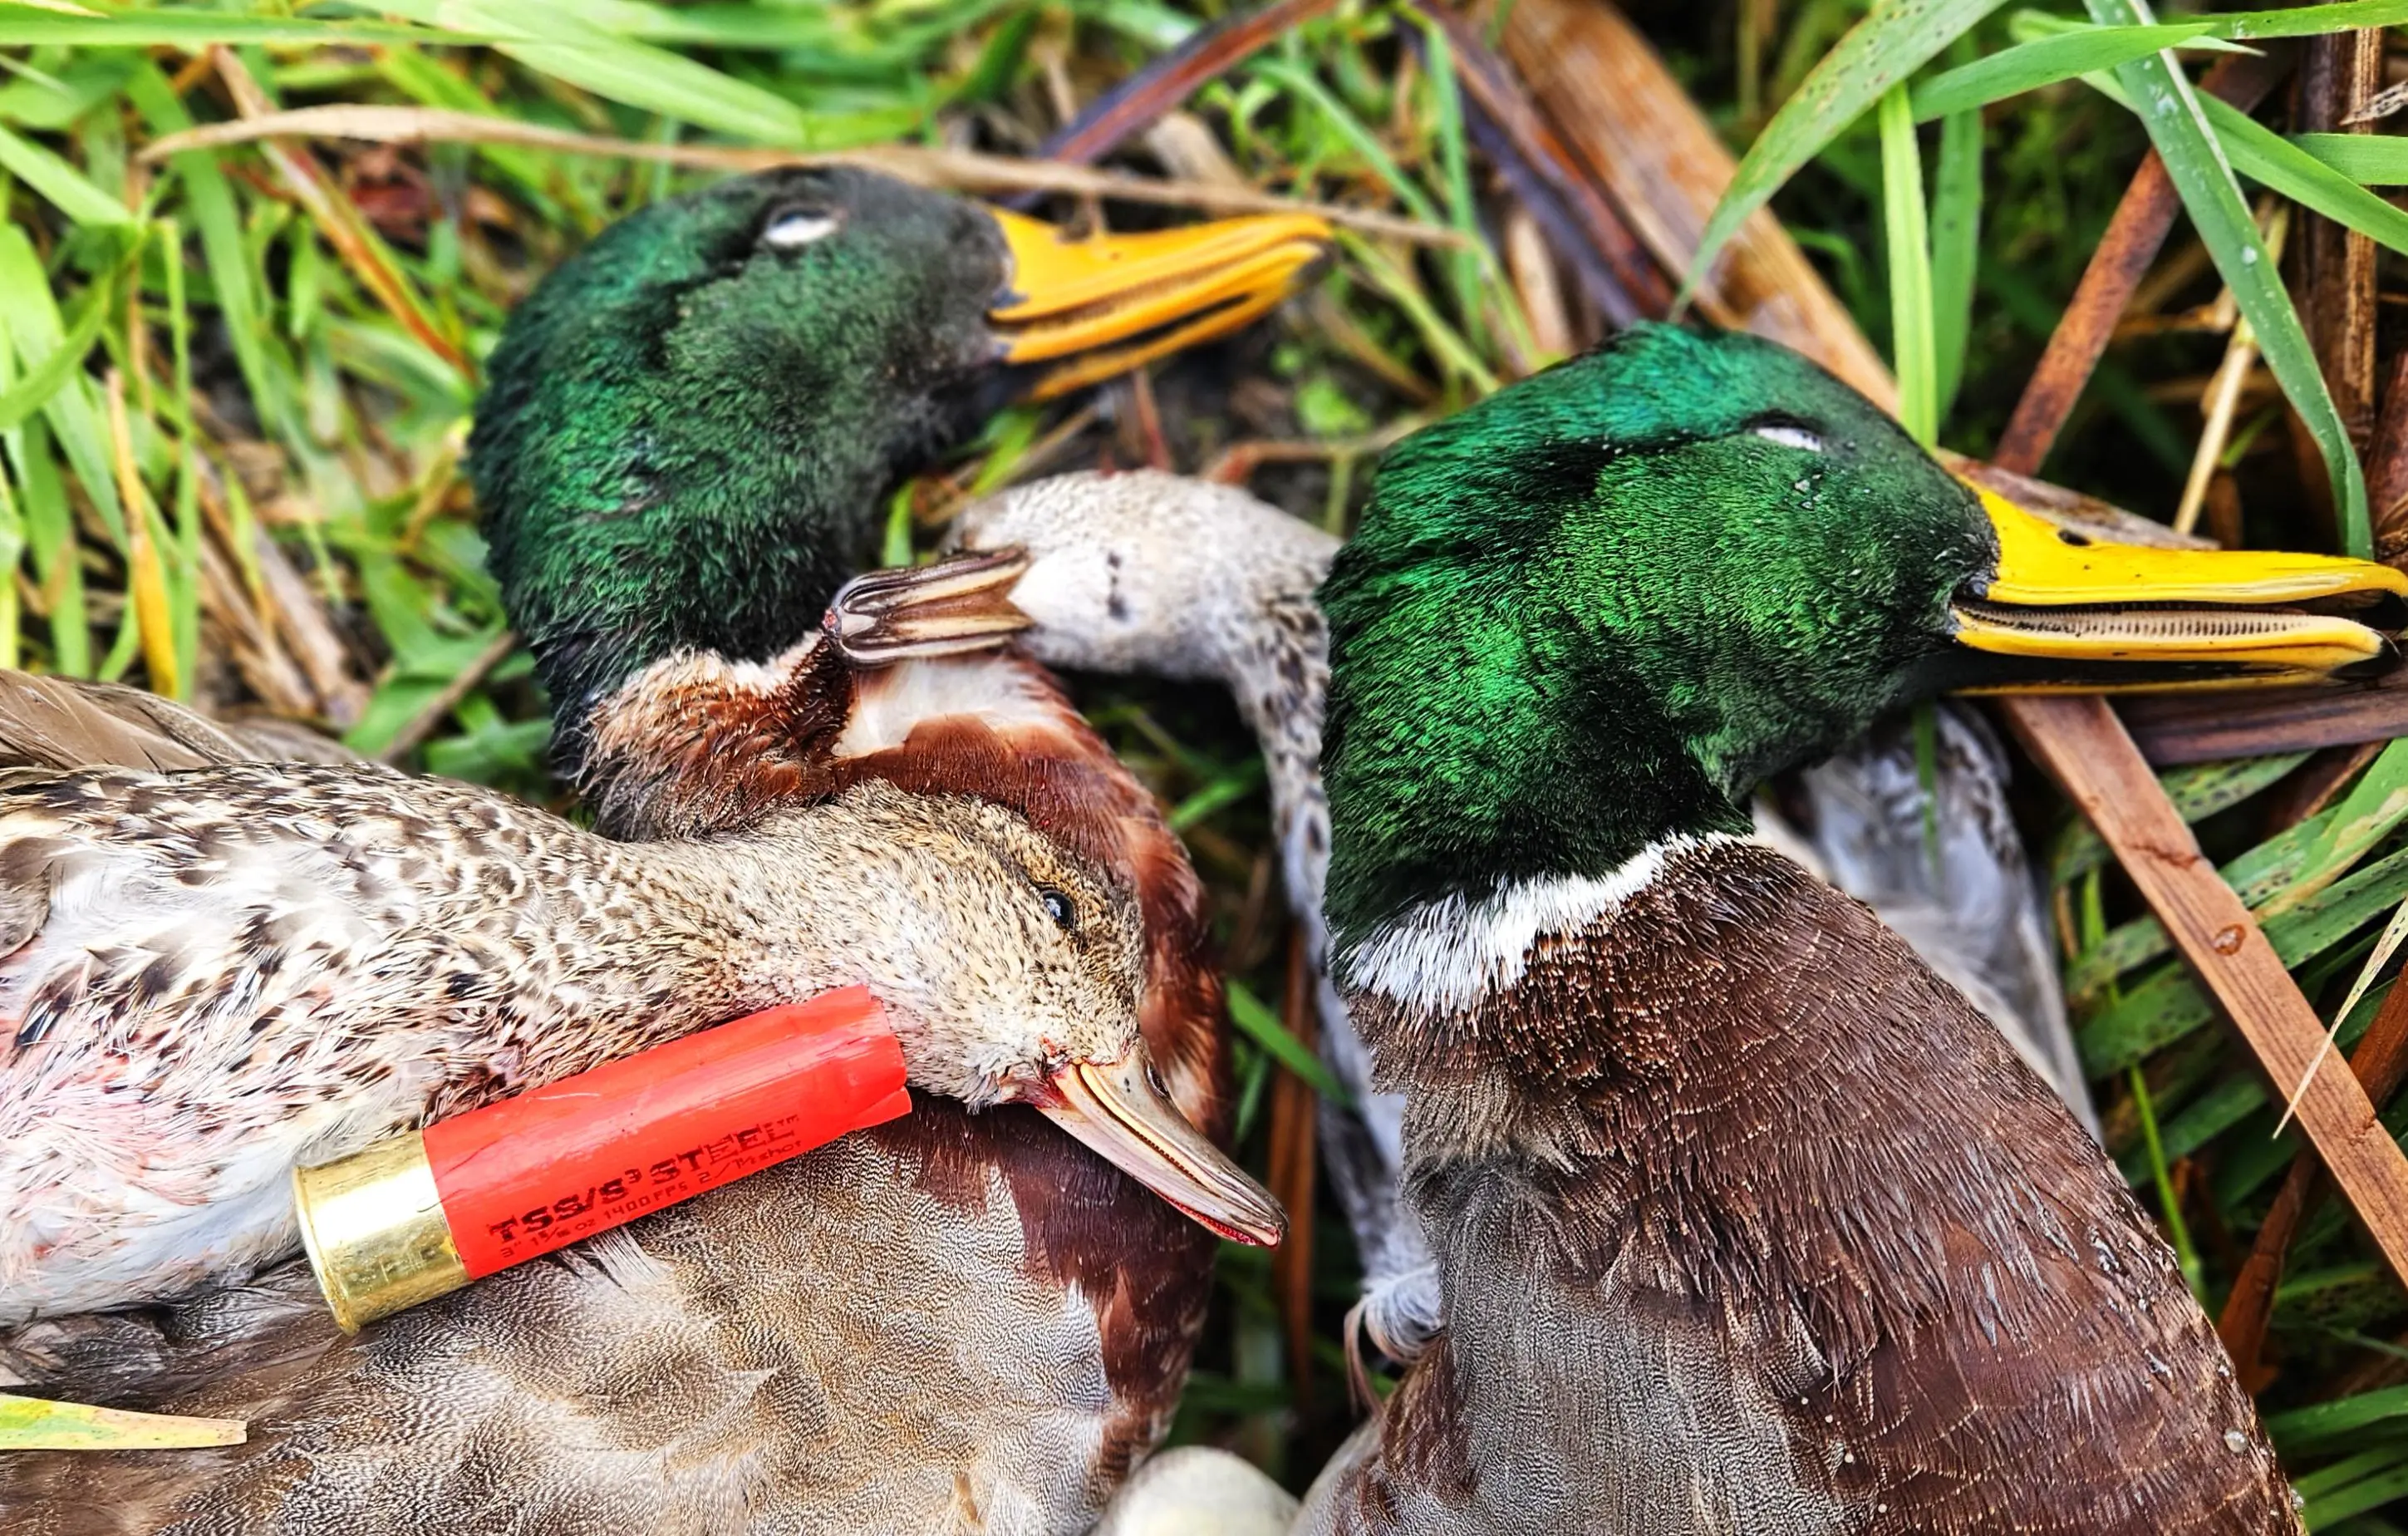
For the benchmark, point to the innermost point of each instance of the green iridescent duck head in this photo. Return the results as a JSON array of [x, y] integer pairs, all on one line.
[[1594, 609], [690, 426]]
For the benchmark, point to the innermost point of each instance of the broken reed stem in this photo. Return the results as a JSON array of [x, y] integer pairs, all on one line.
[[2386, 466], [2134, 236], [2082, 744], [2222, 402], [1294, 1127], [2380, 1062], [1138, 102], [2338, 73]]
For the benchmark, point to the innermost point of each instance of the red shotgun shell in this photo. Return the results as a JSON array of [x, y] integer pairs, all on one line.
[[421, 1213]]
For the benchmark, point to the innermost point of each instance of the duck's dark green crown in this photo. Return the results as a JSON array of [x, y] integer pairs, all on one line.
[[690, 426], [1592, 611]]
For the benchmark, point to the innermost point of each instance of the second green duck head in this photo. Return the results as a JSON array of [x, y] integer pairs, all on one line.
[[1594, 609], [690, 424]]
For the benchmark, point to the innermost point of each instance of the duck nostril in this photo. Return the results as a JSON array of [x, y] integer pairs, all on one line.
[[2079, 540], [1154, 1080]]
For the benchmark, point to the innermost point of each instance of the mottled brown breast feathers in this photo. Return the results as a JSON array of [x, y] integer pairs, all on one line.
[[1747, 1222]]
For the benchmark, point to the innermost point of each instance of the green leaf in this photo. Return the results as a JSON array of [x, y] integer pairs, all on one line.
[[2372, 809], [220, 227], [1910, 270], [1262, 1026], [1225, 789], [2046, 61], [2170, 1004], [2307, 21], [192, 30], [31, 316], [2302, 1426], [2177, 125], [1956, 249], [2373, 160], [33, 391], [2256, 877], [2265, 156], [2198, 790], [63, 184], [569, 48], [1357, 136], [1891, 43], [2382, 1476]]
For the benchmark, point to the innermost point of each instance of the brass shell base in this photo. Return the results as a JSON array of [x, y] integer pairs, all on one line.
[[374, 1229]]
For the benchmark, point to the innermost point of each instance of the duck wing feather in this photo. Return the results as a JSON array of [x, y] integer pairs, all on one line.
[[52, 724]]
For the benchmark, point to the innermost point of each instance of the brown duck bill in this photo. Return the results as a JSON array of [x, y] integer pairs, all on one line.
[[1117, 1109], [1099, 305], [949, 608], [2068, 610]]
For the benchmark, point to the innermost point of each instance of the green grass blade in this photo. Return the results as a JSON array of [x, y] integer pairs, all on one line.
[[571, 48], [1254, 1017], [210, 198], [62, 183], [1956, 250], [2198, 790], [1893, 41], [1358, 137], [2374, 806], [2046, 61], [2307, 21], [2194, 158], [2300, 1428], [33, 391], [31, 318], [1454, 159], [2371, 160], [2169, 1204], [2265, 156], [1908, 246], [2386, 1481], [194, 29]]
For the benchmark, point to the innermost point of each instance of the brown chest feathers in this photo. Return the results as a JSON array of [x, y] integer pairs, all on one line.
[[1746, 1223]]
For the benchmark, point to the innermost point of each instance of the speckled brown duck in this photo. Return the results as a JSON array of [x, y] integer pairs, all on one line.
[[212, 976], [1743, 1220], [684, 450], [695, 1370]]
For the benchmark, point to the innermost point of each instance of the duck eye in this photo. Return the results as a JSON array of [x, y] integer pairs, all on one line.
[[796, 226], [1059, 906], [1788, 434]]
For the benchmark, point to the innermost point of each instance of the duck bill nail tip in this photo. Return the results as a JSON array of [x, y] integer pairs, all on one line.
[[1115, 1109], [2066, 609], [1104, 303], [951, 608], [421, 1213]]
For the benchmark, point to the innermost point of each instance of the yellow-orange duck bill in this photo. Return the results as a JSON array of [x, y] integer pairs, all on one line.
[[1120, 1111], [2066, 611], [1102, 305]]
